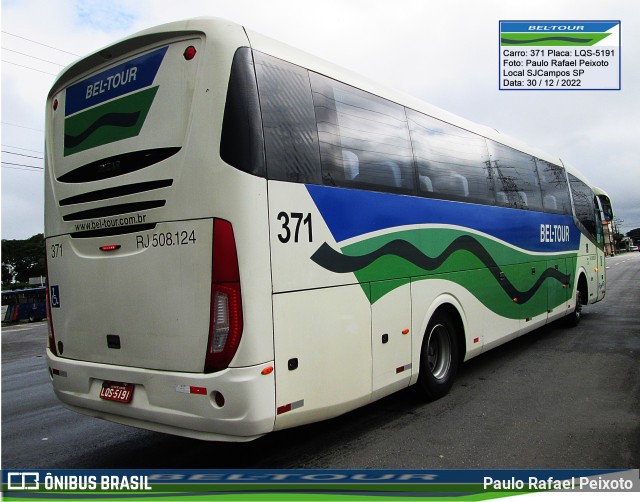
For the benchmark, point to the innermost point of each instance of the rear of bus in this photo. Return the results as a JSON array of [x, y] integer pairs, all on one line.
[[157, 251]]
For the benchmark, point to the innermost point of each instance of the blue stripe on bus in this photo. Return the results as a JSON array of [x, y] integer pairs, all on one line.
[[351, 213], [123, 79]]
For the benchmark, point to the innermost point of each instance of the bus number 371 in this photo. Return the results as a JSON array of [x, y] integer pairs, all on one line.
[[291, 224]]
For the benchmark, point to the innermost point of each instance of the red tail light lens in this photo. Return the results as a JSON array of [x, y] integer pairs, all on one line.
[[225, 327], [189, 53], [52, 338], [226, 311], [110, 247]]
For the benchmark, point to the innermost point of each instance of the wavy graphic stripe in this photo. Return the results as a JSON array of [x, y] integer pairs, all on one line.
[[332, 260], [572, 40], [110, 119]]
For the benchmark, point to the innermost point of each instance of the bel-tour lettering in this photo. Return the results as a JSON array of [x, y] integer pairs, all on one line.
[[112, 82], [554, 233]]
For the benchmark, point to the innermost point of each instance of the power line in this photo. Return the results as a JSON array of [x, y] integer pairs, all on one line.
[[40, 43], [22, 165], [28, 67], [22, 155], [33, 57], [23, 127], [9, 165], [21, 169], [25, 149]]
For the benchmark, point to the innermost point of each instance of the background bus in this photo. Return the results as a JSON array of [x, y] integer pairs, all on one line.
[[269, 240], [24, 304]]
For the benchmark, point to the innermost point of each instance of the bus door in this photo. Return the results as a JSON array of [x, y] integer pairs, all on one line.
[[602, 282], [600, 269], [528, 300], [591, 265], [390, 336], [559, 286]]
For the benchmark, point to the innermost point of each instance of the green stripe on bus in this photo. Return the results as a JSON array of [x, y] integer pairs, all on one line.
[[119, 119]]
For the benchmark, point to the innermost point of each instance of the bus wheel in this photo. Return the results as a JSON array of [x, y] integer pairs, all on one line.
[[574, 318], [438, 357], [32, 317]]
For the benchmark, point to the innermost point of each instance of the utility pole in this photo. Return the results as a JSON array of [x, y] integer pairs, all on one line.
[[617, 225]]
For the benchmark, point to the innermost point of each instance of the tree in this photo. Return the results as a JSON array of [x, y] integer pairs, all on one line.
[[22, 259], [7, 273]]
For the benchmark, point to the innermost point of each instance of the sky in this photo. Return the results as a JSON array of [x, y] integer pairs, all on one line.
[[445, 53]]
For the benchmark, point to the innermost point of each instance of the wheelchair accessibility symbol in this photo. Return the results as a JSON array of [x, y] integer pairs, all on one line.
[[54, 293]]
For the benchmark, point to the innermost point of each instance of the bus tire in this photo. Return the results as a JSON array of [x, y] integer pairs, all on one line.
[[573, 319], [32, 317], [438, 357]]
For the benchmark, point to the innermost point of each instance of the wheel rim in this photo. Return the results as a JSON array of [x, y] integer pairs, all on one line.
[[439, 351]]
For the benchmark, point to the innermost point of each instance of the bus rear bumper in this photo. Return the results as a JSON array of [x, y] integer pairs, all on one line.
[[183, 404]]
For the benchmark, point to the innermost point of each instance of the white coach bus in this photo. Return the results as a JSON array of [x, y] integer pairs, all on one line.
[[243, 238]]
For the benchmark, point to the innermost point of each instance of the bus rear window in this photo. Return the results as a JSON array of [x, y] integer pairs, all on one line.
[[241, 144]]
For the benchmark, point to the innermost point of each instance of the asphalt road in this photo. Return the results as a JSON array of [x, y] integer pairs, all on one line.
[[555, 398]]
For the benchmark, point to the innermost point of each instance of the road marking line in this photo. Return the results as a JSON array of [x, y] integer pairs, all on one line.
[[5, 330]]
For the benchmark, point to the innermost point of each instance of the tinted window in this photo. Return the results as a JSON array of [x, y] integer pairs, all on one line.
[[241, 144], [364, 139], [583, 202], [452, 163], [516, 178], [554, 187], [607, 210], [290, 135]]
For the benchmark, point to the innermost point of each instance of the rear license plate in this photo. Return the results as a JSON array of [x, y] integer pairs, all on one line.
[[117, 391]]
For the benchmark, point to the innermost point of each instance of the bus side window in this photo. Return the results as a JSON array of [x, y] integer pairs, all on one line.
[[364, 139], [516, 177], [385, 174], [425, 183], [290, 134], [453, 184], [583, 202], [452, 162], [555, 191], [550, 203], [351, 165]]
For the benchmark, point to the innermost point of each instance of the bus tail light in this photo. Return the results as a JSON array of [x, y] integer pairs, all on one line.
[[52, 338], [189, 53], [225, 327]]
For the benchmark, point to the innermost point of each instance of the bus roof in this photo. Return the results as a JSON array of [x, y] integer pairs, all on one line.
[[600, 191], [281, 50]]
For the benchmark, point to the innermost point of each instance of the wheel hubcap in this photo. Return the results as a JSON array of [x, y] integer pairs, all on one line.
[[439, 352]]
